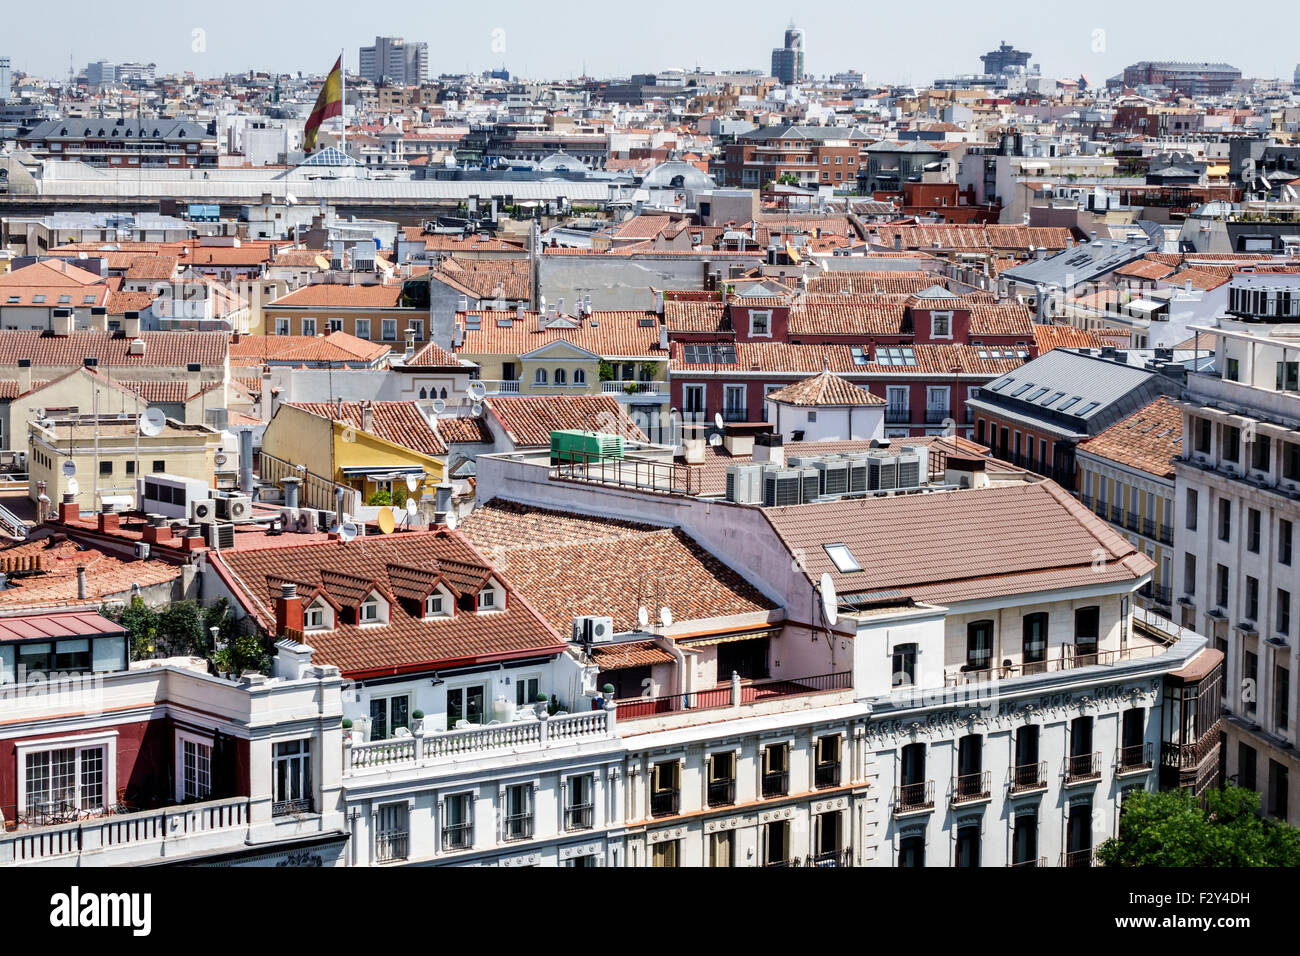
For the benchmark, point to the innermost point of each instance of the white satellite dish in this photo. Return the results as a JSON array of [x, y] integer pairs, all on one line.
[[152, 422], [69, 468], [73, 487], [412, 483], [642, 616], [439, 406], [717, 419], [412, 508], [715, 439], [477, 391], [665, 617], [451, 521], [477, 410], [347, 531], [830, 600]]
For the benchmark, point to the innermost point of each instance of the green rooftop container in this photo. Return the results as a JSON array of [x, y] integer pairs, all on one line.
[[582, 446]]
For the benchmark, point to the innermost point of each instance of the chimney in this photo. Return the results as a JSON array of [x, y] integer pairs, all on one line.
[[131, 324], [338, 409], [62, 321], [109, 522], [69, 510], [24, 376], [291, 486], [288, 610], [542, 316], [898, 242], [559, 307], [367, 415], [136, 347], [659, 303], [193, 537], [192, 375], [81, 582], [663, 336], [1040, 252], [769, 449], [156, 530], [99, 318], [410, 343], [519, 312]]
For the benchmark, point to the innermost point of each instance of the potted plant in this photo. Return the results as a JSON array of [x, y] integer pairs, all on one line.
[[417, 721], [541, 700], [347, 731], [629, 388], [554, 706]]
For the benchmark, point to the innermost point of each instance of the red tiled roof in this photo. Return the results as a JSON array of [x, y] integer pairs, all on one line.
[[824, 389], [872, 281], [433, 356], [119, 303], [528, 420], [1004, 318], [170, 349], [151, 268], [1146, 440], [1051, 337], [470, 428], [398, 422], [811, 359], [509, 279], [334, 347], [607, 334], [331, 295], [55, 584]]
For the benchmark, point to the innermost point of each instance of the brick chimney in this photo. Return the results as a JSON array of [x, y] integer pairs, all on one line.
[[109, 521], [69, 510], [288, 609]]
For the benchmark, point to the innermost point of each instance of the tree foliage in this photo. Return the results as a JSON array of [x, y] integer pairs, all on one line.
[[1172, 828], [184, 629]]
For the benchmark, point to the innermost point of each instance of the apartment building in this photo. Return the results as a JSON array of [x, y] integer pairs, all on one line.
[[814, 155], [378, 312], [1236, 508]]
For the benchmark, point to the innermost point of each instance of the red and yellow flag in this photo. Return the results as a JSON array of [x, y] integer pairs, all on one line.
[[329, 103]]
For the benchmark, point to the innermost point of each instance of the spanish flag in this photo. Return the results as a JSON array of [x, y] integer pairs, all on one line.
[[329, 103]]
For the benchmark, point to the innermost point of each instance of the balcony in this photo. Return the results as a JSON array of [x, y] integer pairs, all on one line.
[[1166, 534], [937, 416], [634, 390], [959, 676], [1028, 778], [898, 415], [776, 783], [518, 826], [1072, 858], [722, 793], [1116, 514], [1131, 521], [1149, 527], [457, 836], [1082, 768], [751, 692], [391, 847], [826, 775], [971, 788], [288, 808], [495, 387], [1135, 759], [664, 803], [733, 414], [579, 817], [1040, 861], [1088, 502], [914, 798]]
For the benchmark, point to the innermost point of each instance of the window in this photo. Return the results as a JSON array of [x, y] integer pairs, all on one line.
[[776, 770], [904, 665], [67, 778], [518, 821], [911, 851], [722, 848], [130, 468], [666, 853], [941, 325], [561, 378], [1290, 461], [433, 605], [968, 845], [159, 466], [826, 771], [760, 323], [842, 557], [1277, 789], [776, 843], [664, 777], [1249, 681], [579, 376], [196, 768], [1202, 429], [335, 325], [291, 776], [362, 327], [828, 838], [1225, 519], [722, 778], [105, 467], [389, 328], [1252, 530], [313, 619], [539, 377], [465, 705], [1231, 443], [1260, 453], [580, 802], [979, 645], [282, 326], [1221, 586], [1189, 573], [1288, 376], [392, 832], [457, 822], [1087, 622], [526, 690], [387, 714], [1192, 503], [1233, 371], [1281, 699], [368, 613], [1284, 532], [1252, 598], [309, 327], [896, 355], [1034, 643], [1246, 760], [487, 599]]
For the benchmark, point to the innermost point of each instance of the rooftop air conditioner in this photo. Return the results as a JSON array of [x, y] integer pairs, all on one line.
[[882, 473], [834, 475], [780, 487], [235, 508], [857, 475], [909, 471], [142, 550], [593, 630], [745, 484], [810, 484], [203, 511]]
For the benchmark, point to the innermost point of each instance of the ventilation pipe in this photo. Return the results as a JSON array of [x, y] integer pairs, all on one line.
[[246, 461]]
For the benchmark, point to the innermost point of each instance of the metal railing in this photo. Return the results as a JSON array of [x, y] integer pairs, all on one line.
[[1131, 520], [641, 473], [1032, 861], [898, 415], [721, 793], [633, 708], [909, 797], [12, 525], [457, 836], [972, 787], [1136, 757], [776, 783], [1081, 767], [392, 846], [934, 416], [1027, 777], [1166, 534], [518, 826], [1077, 857], [826, 775], [664, 803], [284, 808], [634, 388], [958, 676], [1116, 514], [1149, 527], [579, 817]]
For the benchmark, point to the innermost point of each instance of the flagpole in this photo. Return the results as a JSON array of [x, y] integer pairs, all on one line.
[[343, 102]]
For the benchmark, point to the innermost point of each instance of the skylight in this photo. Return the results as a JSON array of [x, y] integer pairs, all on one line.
[[996, 386], [1037, 395], [1088, 408], [896, 355], [1022, 389], [1070, 402], [842, 557]]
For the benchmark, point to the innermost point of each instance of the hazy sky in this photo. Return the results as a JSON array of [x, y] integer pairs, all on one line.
[[556, 39]]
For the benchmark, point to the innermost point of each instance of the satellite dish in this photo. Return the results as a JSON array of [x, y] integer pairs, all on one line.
[[69, 468], [717, 419], [451, 521], [830, 601], [219, 458], [477, 391], [412, 508], [347, 531], [152, 422], [477, 409], [642, 616], [73, 487], [385, 519], [715, 439], [439, 406], [412, 483], [665, 617]]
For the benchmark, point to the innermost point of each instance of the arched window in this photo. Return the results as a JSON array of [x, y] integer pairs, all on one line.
[[443, 393], [424, 393], [560, 377], [579, 376], [539, 378]]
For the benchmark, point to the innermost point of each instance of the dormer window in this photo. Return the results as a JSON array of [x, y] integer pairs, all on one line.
[[760, 323], [487, 599], [368, 613], [434, 605], [314, 617]]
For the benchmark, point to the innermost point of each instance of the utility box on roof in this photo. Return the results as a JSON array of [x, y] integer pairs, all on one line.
[[583, 446]]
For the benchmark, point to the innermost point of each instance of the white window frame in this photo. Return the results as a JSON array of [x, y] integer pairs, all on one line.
[[491, 604], [305, 755], [522, 680], [107, 740], [282, 326], [334, 325], [383, 330], [372, 600], [315, 609], [400, 813], [766, 315], [947, 318], [358, 325], [692, 389], [429, 612], [197, 740], [309, 323]]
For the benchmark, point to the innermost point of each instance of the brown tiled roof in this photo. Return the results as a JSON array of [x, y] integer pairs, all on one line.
[[119, 303], [824, 389], [161, 349], [1051, 337], [643, 227], [398, 422], [433, 356], [1144, 269], [1146, 440], [954, 546], [1004, 318], [487, 278], [331, 295], [56, 582], [151, 267], [694, 315], [334, 347], [612, 657], [825, 316], [874, 281], [469, 428], [608, 334], [407, 641], [528, 420], [787, 357], [568, 566]]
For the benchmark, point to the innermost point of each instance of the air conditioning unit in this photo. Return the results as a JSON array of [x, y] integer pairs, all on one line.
[[221, 535], [909, 471], [857, 475], [593, 630], [235, 508], [745, 484], [781, 488], [834, 476], [142, 550], [203, 511], [882, 473]]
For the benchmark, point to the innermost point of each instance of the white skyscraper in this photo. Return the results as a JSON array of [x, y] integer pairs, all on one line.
[[5, 78]]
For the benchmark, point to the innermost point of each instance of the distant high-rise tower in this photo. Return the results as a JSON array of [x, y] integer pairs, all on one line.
[[393, 60], [1004, 59], [5, 78], [787, 61]]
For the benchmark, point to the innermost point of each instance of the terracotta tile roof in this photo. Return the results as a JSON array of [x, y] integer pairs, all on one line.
[[528, 420], [607, 334], [169, 349], [1200, 277], [152, 267], [695, 316], [976, 237], [9, 387], [811, 359], [1202, 341], [1004, 318], [51, 273], [568, 566], [487, 278], [872, 281], [301, 259], [334, 347], [1147, 439], [470, 428], [407, 641], [953, 546], [1051, 337], [119, 303], [398, 422], [433, 356], [1144, 269], [331, 295], [643, 227], [825, 315], [612, 657], [56, 582], [435, 242], [824, 389]]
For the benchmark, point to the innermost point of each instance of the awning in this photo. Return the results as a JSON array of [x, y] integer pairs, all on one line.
[[728, 638], [612, 657], [384, 472]]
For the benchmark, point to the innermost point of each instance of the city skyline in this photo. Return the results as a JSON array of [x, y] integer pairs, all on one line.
[[540, 45]]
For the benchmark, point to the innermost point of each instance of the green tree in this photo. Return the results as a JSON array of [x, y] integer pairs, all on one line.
[[1172, 828], [141, 625], [244, 652]]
